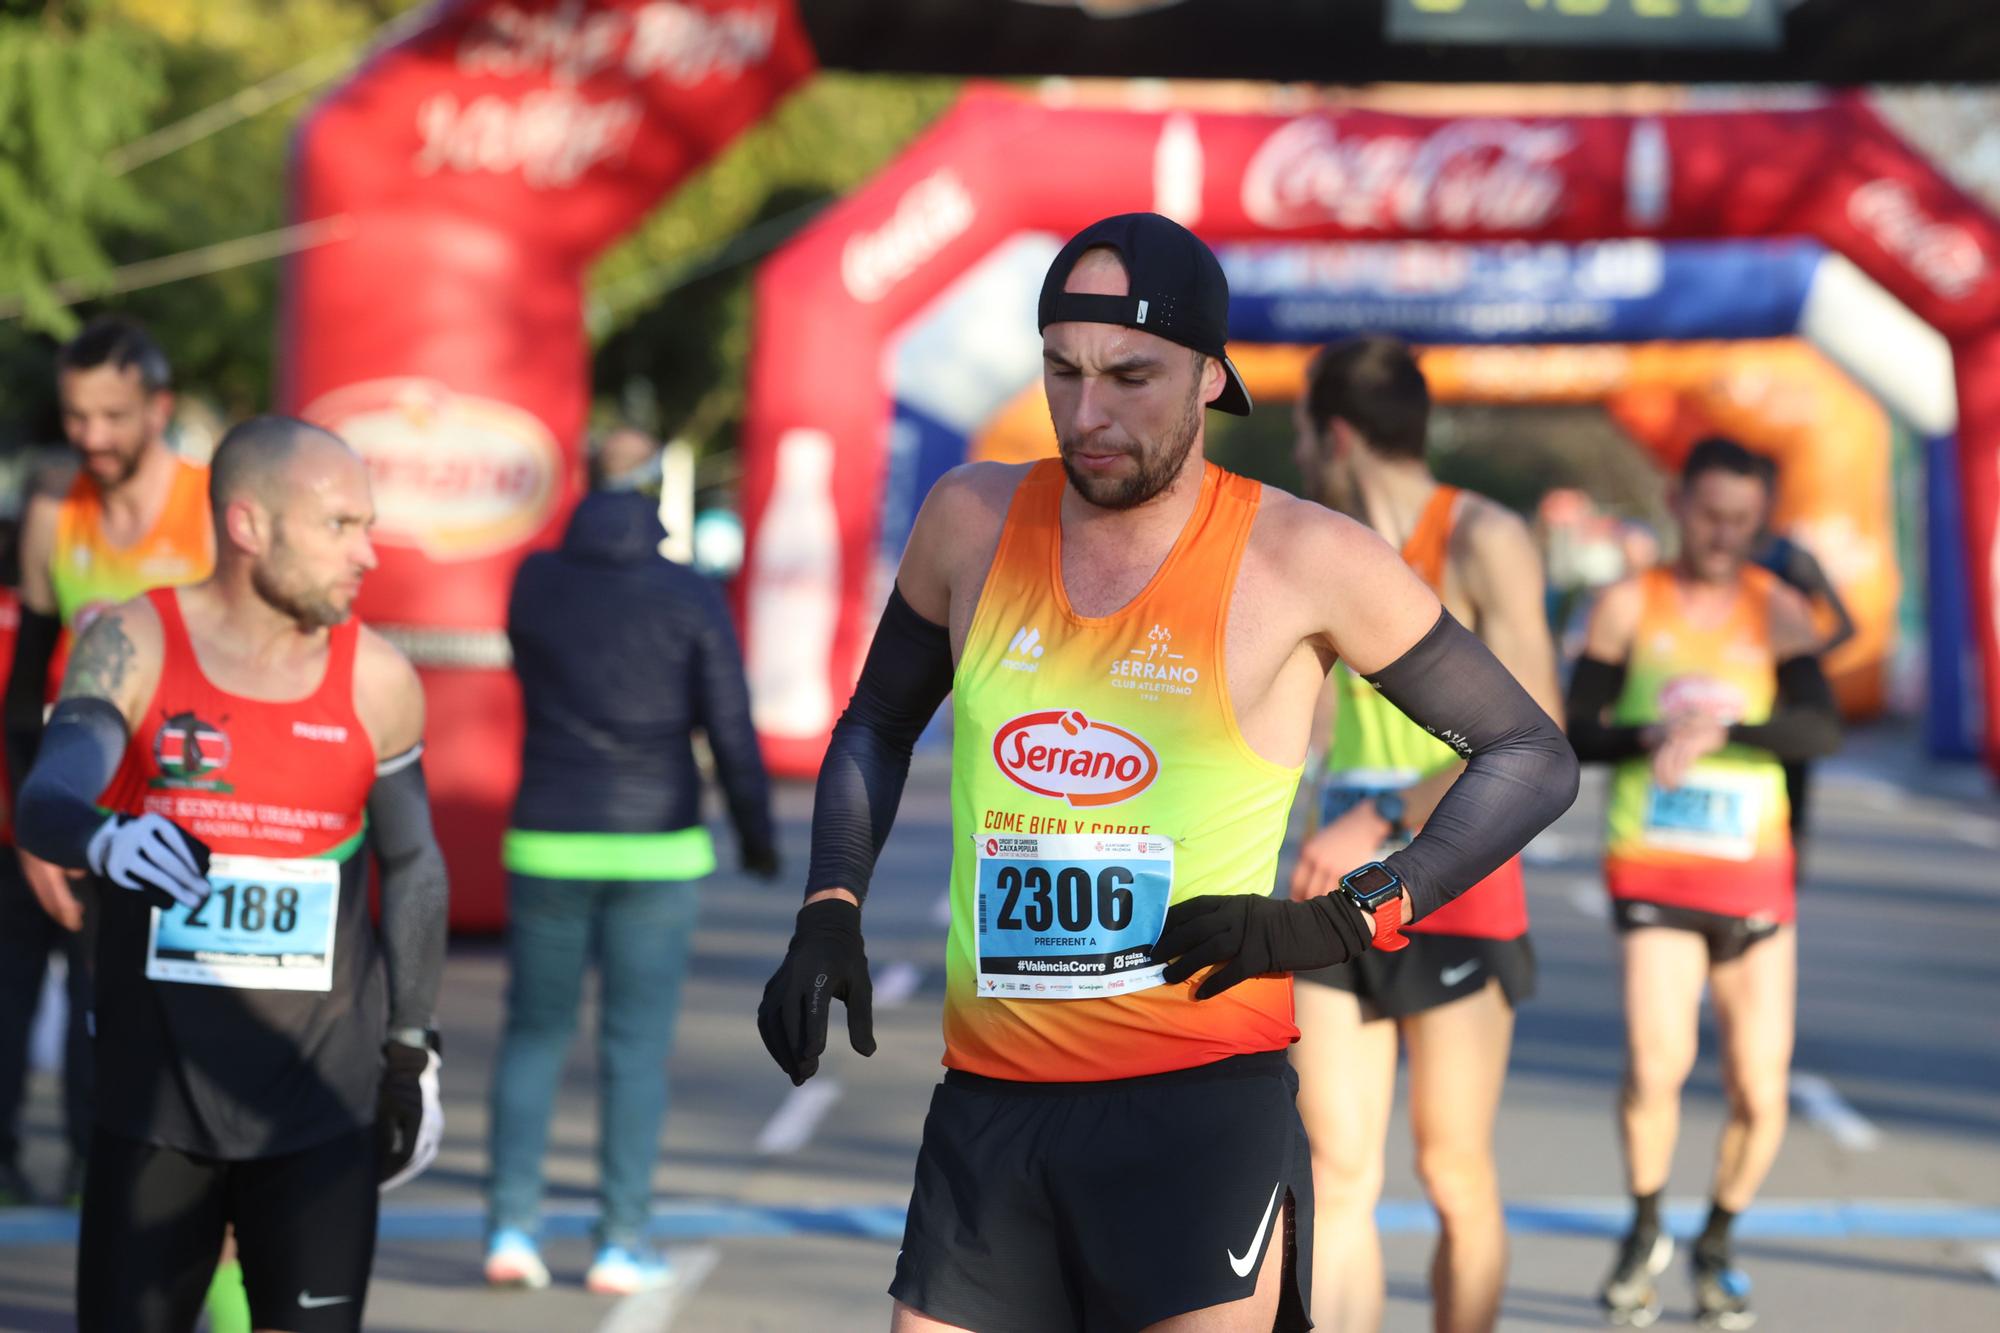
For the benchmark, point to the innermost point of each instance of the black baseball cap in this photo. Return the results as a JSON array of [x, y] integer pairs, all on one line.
[[1176, 291]]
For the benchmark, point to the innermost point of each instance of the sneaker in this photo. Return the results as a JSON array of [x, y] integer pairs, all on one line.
[[513, 1261], [1721, 1294], [620, 1270], [15, 1191], [1631, 1297]]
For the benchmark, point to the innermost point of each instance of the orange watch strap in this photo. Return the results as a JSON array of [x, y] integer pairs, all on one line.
[[1389, 936]]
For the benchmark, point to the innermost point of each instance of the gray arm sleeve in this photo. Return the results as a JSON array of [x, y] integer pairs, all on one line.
[[1519, 771], [415, 893], [81, 749]]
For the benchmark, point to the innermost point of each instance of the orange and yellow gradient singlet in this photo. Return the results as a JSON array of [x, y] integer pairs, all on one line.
[[1098, 775], [1721, 841], [90, 574]]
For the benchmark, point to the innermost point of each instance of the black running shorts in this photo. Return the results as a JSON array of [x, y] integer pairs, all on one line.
[[1080, 1207], [153, 1222], [1433, 971], [1728, 937]]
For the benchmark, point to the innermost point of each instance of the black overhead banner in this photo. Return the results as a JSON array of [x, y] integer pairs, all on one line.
[[1648, 24], [1348, 41]]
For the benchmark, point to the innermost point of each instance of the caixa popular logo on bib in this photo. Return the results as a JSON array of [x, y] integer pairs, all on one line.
[[190, 753], [1063, 755]]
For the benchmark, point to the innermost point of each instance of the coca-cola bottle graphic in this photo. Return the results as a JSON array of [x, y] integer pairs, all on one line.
[[794, 592], [1177, 164], [1648, 176]]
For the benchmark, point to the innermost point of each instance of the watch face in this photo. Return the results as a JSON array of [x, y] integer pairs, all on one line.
[[1370, 881]]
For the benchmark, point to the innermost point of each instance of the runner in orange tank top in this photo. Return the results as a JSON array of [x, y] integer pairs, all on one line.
[[136, 518], [222, 761], [1449, 998], [1133, 640], [1695, 681]]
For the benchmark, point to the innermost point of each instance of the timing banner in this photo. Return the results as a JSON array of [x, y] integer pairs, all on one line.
[[480, 165]]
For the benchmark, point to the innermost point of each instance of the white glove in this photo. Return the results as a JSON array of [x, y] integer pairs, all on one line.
[[150, 854]]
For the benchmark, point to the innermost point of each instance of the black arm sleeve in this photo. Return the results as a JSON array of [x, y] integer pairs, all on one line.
[[1519, 772], [415, 892], [723, 712], [907, 675], [1805, 724], [1593, 688], [80, 752], [27, 688]]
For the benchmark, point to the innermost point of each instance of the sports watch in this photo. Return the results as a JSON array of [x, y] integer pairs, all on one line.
[[1377, 889]]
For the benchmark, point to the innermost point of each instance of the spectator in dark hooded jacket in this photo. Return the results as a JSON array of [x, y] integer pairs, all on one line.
[[622, 656]]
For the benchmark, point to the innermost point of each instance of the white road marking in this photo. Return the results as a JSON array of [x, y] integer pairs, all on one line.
[[655, 1311], [1820, 1103], [898, 982], [791, 1127], [941, 913], [1978, 832], [1549, 847], [1589, 899], [1990, 1261]]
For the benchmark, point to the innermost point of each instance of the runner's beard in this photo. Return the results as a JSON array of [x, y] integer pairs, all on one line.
[[1156, 464], [312, 608]]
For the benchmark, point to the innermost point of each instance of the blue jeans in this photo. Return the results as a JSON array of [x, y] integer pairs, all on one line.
[[639, 932]]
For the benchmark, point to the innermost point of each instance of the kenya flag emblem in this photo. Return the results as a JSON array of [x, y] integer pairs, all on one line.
[[188, 749]]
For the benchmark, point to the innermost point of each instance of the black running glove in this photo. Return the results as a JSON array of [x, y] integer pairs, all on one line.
[[1251, 935], [409, 1112], [825, 961]]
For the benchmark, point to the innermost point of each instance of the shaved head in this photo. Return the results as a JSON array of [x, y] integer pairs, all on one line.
[[292, 501], [254, 460]]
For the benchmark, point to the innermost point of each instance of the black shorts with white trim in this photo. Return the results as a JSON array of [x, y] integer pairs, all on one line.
[[1088, 1207], [1434, 971]]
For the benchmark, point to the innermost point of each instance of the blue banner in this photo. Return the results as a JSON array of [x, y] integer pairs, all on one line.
[[1603, 291]]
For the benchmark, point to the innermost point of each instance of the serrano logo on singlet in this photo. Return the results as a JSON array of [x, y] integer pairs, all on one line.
[[1061, 754], [188, 751]]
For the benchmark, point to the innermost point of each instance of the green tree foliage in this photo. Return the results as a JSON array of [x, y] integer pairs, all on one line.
[[671, 304], [82, 80]]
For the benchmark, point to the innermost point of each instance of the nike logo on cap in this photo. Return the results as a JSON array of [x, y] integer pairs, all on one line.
[[1451, 976], [1243, 1266], [308, 1301]]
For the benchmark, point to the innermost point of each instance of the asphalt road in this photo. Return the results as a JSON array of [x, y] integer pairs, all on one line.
[[783, 1208]]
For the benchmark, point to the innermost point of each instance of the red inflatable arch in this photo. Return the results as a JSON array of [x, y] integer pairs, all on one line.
[[831, 306], [481, 164]]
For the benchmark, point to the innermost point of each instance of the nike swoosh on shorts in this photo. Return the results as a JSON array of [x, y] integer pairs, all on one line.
[[1243, 1266], [308, 1301], [1451, 976]]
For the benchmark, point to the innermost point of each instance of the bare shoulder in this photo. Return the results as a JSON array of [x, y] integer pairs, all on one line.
[[1793, 631], [388, 695], [1493, 547], [956, 533], [1487, 528], [1614, 620], [117, 657], [37, 547], [1302, 533], [1349, 588]]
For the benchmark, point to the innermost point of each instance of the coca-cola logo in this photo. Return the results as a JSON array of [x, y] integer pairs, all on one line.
[[1465, 176], [456, 476], [1945, 256], [931, 215], [572, 42], [1063, 755]]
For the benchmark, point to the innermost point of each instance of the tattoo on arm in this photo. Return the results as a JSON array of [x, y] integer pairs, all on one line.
[[100, 662]]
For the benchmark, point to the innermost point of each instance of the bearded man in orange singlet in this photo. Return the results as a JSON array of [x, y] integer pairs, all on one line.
[[136, 518], [1133, 640]]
